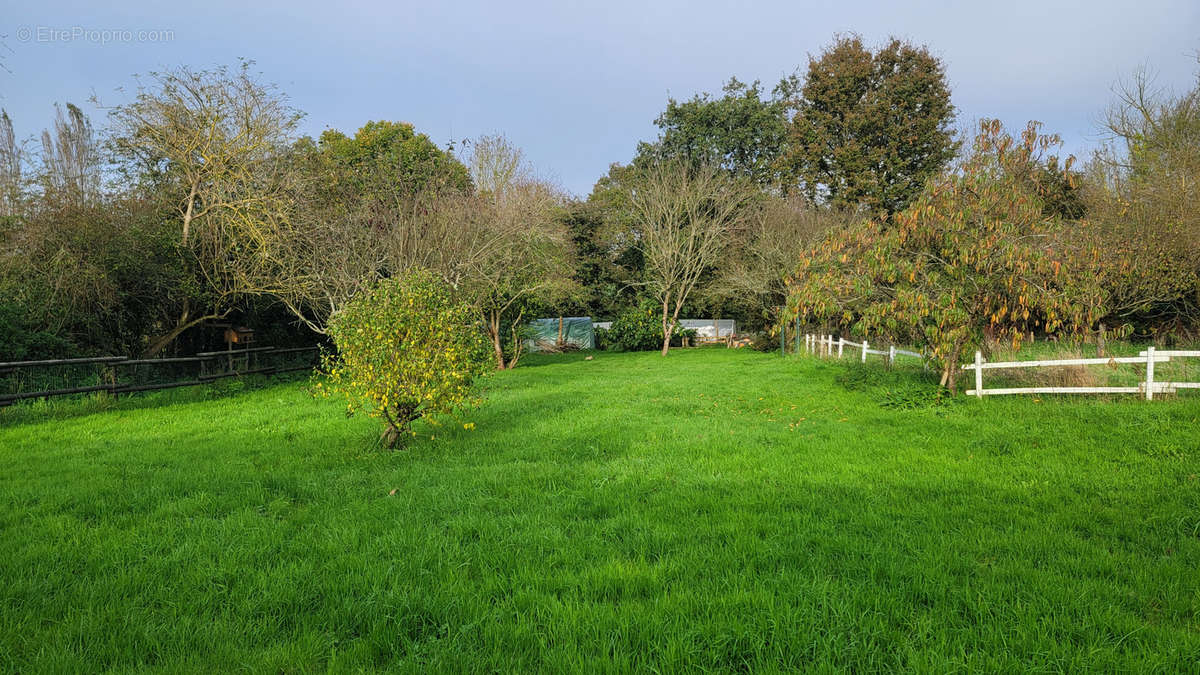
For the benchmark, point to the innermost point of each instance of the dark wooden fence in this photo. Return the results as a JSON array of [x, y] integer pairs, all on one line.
[[120, 373]]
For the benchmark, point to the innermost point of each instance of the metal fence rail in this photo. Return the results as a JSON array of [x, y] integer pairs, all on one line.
[[248, 359]]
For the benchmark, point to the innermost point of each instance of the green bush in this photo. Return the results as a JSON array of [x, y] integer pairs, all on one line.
[[639, 329], [405, 350], [21, 340]]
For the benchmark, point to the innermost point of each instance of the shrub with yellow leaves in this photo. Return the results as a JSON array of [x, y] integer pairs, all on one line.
[[406, 349]]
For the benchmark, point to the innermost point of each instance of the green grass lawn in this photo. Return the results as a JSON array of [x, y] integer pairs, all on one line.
[[714, 510]]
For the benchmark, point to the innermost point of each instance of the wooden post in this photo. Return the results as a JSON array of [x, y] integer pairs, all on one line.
[[978, 374], [797, 332], [1150, 373], [560, 324], [841, 344], [891, 356], [1101, 341], [864, 349]]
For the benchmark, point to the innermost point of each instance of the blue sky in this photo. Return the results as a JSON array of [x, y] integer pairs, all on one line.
[[577, 85]]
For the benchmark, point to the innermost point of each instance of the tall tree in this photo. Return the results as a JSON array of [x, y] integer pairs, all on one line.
[[684, 217], [871, 127], [533, 261], [744, 131], [370, 206], [976, 255], [71, 157], [214, 139]]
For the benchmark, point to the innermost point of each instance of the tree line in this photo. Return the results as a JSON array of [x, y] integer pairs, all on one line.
[[842, 196]]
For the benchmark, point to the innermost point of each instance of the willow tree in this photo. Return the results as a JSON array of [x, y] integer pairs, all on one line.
[[683, 218]]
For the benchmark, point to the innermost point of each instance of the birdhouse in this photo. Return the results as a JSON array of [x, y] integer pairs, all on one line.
[[239, 336]]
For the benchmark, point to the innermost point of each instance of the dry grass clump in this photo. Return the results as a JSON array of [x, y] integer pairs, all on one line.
[[1063, 376]]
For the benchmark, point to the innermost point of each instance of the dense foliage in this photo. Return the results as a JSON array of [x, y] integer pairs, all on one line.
[[743, 131], [196, 205], [638, 329], [406, 349], [871, 127], [972, 258], [1142, 195]]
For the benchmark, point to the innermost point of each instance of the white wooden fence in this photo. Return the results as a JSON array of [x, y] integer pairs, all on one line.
[[1147, 387], [836, 347], [830, 346]]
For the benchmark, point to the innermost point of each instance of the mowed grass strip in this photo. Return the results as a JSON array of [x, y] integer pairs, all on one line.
[[714, 510]]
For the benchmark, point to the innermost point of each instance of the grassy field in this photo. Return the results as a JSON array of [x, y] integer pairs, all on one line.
[[714, 510]]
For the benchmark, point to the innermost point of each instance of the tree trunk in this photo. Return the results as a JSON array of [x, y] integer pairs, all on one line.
[[668, 328], [390, 437], [160, 343], [518, 345], [187, 214], [950, 371], [493, 328]]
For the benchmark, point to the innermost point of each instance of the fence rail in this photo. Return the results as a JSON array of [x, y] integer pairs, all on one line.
[[828, 345], [1147, 387], [245, 357]]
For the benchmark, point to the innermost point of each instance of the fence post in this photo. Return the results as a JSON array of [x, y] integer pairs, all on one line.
[[864, 349], [1150, 373], [797, 332], [978, 374], [891, 356], [841, 344]]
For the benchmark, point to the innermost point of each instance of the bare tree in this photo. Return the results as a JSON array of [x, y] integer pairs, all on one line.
[[777, 232], [215, 137], [533, 258], [684, 219], [532, 262], [330, 251]]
